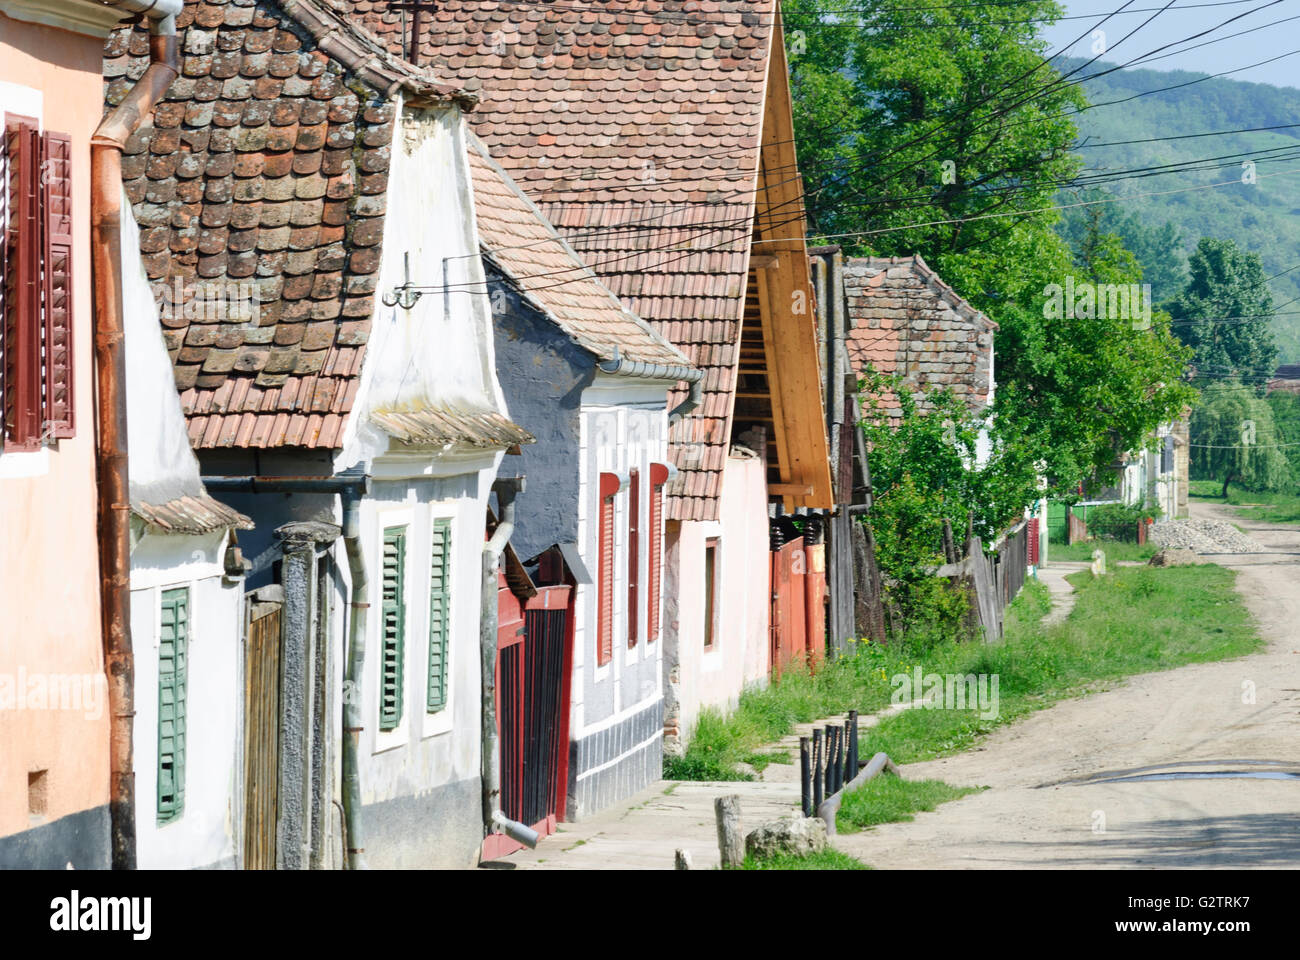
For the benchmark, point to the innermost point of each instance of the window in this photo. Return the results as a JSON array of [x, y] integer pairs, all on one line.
[[439, 611], [710, 592], [609, 485], [173, 659], [391, 655], [36, 333], [633, 557], [658, 477]]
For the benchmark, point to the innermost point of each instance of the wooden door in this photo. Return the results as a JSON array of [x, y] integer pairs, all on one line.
[[261, 734]]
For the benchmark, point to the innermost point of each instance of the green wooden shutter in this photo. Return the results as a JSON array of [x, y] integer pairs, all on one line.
[[394, 627], [173, 656], [439, 610]]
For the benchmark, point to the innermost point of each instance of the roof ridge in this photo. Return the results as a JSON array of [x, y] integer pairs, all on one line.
[[346, 40]]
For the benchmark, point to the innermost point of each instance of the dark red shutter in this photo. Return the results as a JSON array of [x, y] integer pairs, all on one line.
[[609, 484], [56, 196], [633, 557], [658, 477], [22, 314]]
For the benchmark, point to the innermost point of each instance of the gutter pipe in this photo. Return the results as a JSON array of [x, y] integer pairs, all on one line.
[[113, 481], [351, 488], [493, 817], [621, 366]]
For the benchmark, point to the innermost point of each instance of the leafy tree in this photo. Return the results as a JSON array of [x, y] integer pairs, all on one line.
[[925, 467], [1286, 418], [1228, 293], [1234, 439], [911, 122]]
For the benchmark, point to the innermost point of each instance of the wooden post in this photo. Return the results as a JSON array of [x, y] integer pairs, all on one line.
[[682, 859], [731, 842], [949, 542]]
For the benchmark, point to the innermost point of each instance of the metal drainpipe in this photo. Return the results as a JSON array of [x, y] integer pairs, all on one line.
[[351, 488], [113, 486], [620, 365], [493, 817]]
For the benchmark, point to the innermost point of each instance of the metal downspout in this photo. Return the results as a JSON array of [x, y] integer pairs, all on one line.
[[353, 672], [493, 817], [113, 481]]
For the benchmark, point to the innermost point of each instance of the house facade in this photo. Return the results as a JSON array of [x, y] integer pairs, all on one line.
[[354, 415], [591, 381], [681, 195], [187, 612], [54, 714]]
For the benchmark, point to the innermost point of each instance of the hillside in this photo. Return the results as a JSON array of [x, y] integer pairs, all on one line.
[[1263, 217]]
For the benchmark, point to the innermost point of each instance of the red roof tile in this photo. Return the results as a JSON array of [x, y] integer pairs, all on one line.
[[904, 320], [263, 172], [528, 249], [635, 125]]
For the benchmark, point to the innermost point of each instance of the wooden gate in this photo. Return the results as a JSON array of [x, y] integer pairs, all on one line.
[[789, 604], [534, 666], [261, 734]]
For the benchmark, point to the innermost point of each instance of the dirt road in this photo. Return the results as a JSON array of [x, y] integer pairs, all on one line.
[[1059, 790]]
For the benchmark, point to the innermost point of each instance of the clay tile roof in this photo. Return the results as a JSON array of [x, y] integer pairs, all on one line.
[[520, 240], [190, 514], [635, 126], [903, 319], [262, 176]]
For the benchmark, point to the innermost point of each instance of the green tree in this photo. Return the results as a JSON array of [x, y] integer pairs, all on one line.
[[1235, 440], [1286, 418], [926, 466], [1227, 294], [941, 130]]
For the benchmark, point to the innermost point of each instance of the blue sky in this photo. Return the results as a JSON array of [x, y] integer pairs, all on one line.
[[1182, 20]]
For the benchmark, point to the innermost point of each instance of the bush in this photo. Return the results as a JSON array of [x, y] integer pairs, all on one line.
[[1118, 521]]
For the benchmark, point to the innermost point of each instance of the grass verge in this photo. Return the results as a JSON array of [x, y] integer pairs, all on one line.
[[1263, 507], [890, 799], [1134, 620], [1115, 551], [828, 859]]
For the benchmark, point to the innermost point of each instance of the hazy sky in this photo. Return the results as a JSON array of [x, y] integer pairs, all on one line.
[[1184, 18]]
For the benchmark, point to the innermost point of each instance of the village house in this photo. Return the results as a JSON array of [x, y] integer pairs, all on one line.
[[356, 418], [187, 611], [57, 768], [591, 381], [666, 158]]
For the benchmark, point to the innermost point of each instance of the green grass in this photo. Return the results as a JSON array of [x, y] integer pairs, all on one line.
[[1114, 549], [891, 799], [828, 859], [1277, 507], [1134, 620]]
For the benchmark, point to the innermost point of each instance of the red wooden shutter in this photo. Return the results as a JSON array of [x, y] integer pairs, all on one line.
[[633, 557], [609, 484], [22, 314], [658, 477], [56, 223]]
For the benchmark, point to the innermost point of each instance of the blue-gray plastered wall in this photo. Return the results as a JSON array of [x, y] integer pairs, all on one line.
[[542, 374]]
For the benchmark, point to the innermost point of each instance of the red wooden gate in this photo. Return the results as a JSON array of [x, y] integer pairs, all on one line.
[[534, 666], [815, 603], [789, 604]]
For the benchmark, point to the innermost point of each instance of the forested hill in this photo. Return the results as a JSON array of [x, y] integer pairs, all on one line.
[[1263, 217]]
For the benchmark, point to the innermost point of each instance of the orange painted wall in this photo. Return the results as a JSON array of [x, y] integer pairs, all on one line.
[[49, 569]]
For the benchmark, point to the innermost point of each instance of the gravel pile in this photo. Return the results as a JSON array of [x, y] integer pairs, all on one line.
[[1203, 536]]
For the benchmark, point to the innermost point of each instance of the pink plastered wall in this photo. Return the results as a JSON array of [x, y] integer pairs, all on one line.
[[49, 569], [739, 657]]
